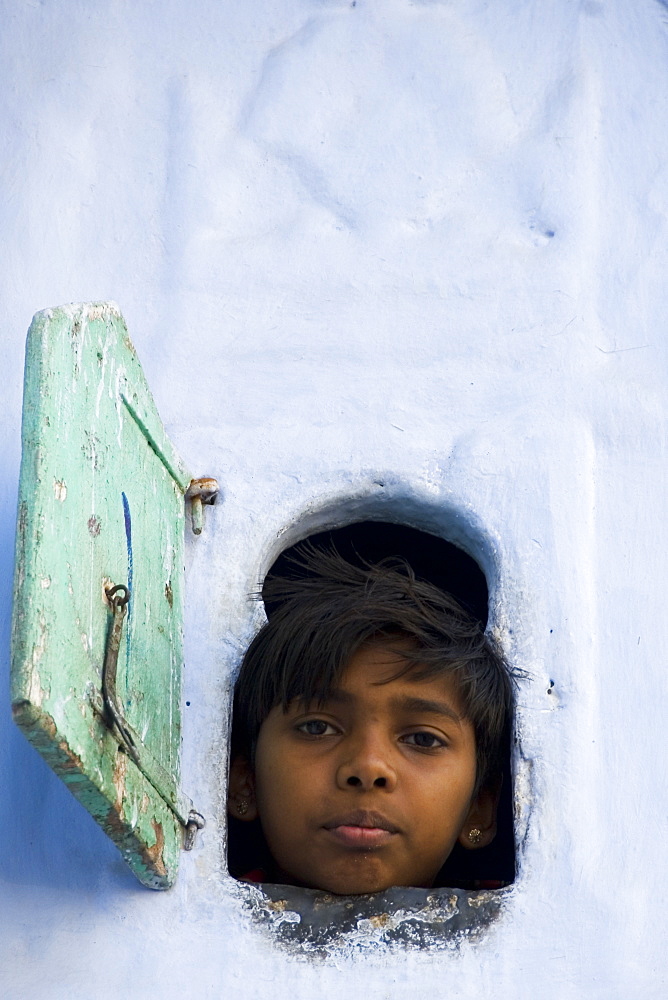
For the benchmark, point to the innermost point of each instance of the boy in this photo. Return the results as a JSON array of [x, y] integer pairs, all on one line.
[[369, 717]]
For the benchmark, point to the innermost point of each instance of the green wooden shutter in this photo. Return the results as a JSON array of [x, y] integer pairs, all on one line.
[[101, 503]]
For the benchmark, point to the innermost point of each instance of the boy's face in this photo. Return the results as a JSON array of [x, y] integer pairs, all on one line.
[[372, 788]]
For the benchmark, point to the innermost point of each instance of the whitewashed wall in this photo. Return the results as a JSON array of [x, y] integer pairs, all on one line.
[[416, 244]]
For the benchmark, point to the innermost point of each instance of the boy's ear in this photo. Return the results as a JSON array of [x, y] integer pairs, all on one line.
[[479, 828], [241, 791]]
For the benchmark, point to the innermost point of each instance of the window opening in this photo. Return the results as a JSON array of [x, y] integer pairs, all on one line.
[[448, 567]]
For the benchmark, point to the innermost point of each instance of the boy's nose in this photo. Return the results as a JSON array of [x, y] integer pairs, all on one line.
[[366, 767]]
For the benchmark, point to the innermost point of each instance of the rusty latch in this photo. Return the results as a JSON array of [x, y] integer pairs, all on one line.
[[191, 820], [118, 598], [199, 492]]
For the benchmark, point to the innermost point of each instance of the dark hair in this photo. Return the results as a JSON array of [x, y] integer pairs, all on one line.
[[330, 608]]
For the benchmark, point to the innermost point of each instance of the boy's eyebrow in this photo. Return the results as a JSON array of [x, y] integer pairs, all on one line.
[[409, 704], [403, 703]]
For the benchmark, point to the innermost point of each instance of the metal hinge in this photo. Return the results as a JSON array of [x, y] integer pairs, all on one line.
[[201, 491], [195, 823]]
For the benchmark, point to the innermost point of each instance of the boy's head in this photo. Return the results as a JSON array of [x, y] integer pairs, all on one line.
[[369, 717]]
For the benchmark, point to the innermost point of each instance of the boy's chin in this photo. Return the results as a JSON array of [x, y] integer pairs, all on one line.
[[361, 882]]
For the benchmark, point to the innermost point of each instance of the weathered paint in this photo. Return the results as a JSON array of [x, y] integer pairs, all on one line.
[[317, 924], [101, 504]]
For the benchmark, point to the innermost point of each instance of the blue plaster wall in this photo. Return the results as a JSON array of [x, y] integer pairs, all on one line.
[[416, 242]]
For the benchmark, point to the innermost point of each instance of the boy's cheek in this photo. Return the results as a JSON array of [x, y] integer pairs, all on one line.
[[280, 759], [279, 779]]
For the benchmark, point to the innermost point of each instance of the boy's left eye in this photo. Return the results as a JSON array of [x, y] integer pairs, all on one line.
[[316, 727], [424, 740]]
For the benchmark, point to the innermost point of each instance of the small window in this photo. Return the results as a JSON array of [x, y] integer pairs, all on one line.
[[468, 891]]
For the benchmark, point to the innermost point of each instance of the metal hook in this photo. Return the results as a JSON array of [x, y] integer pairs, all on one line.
[[118, 598]]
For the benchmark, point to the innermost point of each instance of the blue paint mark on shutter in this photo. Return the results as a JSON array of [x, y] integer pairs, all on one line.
[[127, 518]]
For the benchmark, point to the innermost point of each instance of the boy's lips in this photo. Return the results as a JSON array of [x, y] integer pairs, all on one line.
[[361, 829]]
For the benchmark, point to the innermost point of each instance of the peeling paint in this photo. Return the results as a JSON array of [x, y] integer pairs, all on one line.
[[119, 776], [21, 523], [308, 922], [60, 490], [49, 726], [36, 693], [92, 450], [102, 310], [94, 525], [279, 905], [154, 854], [40, 646], [71, 761]]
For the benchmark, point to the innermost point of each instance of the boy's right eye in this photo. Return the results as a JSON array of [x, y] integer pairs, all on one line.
[[316, 727]]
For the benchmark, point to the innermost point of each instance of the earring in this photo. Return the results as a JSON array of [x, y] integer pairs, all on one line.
[[475, 836], [242, 806]]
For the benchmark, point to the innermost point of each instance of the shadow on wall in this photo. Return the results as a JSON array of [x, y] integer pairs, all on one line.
[[46, 837]]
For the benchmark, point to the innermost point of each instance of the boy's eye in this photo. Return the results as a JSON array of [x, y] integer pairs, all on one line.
[[316, 727], [424, 740]]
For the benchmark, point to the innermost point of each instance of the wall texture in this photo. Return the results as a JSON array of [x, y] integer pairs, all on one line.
[[402, 259]]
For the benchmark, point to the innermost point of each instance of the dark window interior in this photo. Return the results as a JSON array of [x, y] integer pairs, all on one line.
[[453, 570], [430, 557]]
